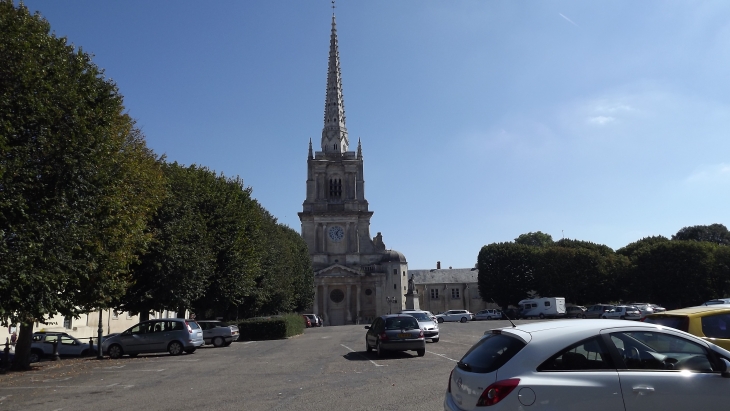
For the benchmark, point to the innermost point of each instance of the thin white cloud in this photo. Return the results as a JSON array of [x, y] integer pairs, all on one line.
[[601, 120], [571, 21], [613, 108], [716, 173]]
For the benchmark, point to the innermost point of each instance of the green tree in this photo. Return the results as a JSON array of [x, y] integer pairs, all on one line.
[[234, 224], [536, 239], [506, 272], [637, 247], [714, 233], [675, 273], [77, 183], [176, 270]]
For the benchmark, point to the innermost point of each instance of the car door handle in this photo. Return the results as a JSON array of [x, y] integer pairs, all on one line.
[[643, 389]]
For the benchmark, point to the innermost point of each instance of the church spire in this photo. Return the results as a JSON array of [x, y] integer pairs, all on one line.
[[334, 133]]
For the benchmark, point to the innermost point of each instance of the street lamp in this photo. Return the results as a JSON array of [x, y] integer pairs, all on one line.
[[391, 300]]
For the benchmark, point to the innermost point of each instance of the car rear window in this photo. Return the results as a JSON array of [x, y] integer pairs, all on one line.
[[673, 321], [716, 326], [401, 323], [194, 325], [490, 353]]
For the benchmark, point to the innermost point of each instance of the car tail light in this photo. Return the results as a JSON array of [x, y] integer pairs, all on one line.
[[420, 334], [450, 375], [383, 337], [190, 330], [497, 392]]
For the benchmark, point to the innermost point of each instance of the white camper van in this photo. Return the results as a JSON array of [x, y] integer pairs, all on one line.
[[550, 307]]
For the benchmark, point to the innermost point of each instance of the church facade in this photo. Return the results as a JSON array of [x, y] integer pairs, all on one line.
[[355, 277]]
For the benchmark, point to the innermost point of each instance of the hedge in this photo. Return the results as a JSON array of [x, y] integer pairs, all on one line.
[[271, 328]]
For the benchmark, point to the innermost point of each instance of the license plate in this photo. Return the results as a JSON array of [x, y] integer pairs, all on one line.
[[404, 335]]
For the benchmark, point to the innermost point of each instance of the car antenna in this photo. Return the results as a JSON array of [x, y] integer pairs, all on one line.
[[505, 314]]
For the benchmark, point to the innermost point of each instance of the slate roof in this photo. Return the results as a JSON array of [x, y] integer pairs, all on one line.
[[453, 275]]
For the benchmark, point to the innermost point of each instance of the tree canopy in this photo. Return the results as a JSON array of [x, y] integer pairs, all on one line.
[[537, 239], [674, 273], [713, 233]]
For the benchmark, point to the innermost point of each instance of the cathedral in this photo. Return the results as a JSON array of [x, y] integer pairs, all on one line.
[[355, 277]]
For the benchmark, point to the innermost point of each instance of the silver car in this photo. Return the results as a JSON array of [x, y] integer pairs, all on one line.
[[425, 321], [43, 343], [218, 333], [173, 335]]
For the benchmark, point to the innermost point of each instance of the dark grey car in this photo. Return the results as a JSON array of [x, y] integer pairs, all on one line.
[[395, 332], [173, 335]]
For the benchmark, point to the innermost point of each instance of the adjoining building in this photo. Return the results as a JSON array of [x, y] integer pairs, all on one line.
[[441, 290]]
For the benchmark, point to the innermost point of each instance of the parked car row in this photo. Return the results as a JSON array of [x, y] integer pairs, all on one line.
[[172, 335]]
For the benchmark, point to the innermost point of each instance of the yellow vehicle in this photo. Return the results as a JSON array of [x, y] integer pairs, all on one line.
[[711, 323]]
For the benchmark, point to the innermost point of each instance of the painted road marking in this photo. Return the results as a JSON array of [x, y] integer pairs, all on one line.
[[441, 355], [45, 387], [373, 362]]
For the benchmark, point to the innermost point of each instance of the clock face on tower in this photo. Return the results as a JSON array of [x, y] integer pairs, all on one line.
[[336, 233]]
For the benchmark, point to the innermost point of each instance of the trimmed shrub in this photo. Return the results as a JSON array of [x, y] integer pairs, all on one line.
[[271, 328]]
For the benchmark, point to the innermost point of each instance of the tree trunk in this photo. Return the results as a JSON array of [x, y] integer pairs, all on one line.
[[21, 361], [144, 316]]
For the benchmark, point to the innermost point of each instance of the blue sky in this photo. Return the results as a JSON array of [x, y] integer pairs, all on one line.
[[603, 121]]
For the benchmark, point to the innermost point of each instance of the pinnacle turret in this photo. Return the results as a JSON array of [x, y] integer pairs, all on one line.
[[334, 133]]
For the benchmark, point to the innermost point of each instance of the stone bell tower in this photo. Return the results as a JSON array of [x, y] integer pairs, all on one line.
[[356, 278]]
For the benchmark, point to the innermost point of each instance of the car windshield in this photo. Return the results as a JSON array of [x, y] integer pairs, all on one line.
[[420, 316], [401, 323]]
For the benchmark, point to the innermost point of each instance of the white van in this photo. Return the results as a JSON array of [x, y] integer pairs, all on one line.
[[543, 307]]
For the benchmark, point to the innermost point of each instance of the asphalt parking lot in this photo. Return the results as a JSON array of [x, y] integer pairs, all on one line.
[[323, 369]]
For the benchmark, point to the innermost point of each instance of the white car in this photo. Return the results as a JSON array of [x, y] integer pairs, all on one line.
[[644, 308], [489, 314], [455, 315], [623, 312], [43, 342], [597, 365]]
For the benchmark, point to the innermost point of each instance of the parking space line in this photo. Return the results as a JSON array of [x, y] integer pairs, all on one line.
[[453, 342], [42, 387], [441, 355], [373, 362], [160, 370]]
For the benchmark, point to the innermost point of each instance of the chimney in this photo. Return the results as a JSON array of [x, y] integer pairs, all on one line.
[[438, 265]]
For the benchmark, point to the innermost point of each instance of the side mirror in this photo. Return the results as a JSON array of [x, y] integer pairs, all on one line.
[[725, 368]]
